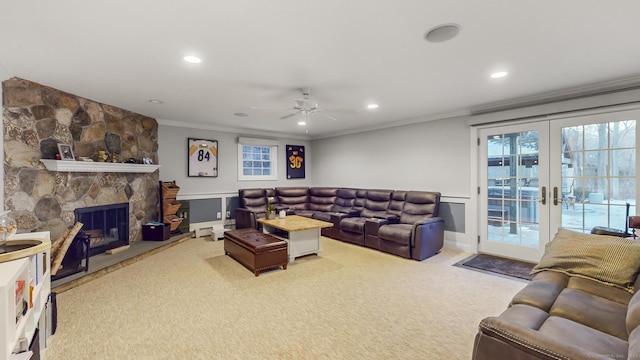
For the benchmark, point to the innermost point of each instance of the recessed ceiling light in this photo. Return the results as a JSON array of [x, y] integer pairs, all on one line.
[[154, 101], [441, 33], [302, 123], [192, 59], [372, 106], [241, 114], [499, 74]]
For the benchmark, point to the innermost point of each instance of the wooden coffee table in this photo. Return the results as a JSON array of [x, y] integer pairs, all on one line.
[[301, 234]]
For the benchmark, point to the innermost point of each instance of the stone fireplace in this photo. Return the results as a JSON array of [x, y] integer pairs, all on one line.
[[36, 119], [106, 226]]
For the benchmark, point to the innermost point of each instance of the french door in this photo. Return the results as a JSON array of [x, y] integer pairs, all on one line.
[[514, 179], [576, 173]]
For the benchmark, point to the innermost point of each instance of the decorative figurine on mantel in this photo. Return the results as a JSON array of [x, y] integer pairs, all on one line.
[[102, 156], [114, 158]]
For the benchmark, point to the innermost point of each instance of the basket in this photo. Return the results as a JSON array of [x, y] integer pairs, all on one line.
[[169, 190], [174, 220], [170, 206]]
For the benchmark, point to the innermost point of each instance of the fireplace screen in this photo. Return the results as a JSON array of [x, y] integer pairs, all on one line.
[[107, 226]]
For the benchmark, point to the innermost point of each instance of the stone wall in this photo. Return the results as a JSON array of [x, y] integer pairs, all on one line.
[[36, 119]]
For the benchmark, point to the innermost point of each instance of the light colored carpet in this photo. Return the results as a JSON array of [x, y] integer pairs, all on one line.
[[193, 302]]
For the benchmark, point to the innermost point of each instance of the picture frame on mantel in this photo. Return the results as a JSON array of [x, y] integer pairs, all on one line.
[[203, 157], [66, 152]]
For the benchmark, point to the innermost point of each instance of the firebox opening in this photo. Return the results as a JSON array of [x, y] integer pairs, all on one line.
[[106, 226]]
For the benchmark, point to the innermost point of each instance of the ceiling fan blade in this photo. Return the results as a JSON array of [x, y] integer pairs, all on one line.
[[329, 116], [288, 116]]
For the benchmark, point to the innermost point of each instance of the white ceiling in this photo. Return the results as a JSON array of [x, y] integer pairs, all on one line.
[[349, 52]]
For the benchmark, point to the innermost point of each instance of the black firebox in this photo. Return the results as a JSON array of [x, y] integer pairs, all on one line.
[[106, 226]]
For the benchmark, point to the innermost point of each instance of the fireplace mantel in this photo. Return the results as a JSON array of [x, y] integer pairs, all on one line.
[[89, 166]]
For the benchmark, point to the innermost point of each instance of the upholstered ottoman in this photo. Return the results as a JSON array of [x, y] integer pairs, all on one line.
[[255, 250]]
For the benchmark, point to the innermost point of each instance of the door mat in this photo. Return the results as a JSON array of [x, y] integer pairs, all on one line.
[[498, 265]]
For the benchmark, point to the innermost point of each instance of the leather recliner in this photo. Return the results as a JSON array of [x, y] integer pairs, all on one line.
[[294, 200], [394, 210], [419, 233], [253, 206], [376, 203], [341, 208]]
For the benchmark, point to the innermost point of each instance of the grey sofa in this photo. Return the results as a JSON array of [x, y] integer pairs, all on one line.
[[358, 215]]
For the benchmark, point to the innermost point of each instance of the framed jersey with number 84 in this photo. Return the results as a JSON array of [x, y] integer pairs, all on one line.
[[203, 157]]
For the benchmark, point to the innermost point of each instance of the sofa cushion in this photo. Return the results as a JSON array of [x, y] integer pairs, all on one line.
[[253, 199], [345, 199], [322, 199], [592, 311], [611, 260], [293, 198], [396, 203], [584, 337], [633, 313], [376, 203], [419, 206], [542, 291], [399, 233], [353, 224]]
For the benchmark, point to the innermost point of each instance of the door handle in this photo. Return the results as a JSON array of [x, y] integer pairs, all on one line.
[[555, 195], [544, 196]]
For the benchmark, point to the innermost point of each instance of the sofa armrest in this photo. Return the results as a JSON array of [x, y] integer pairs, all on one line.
[[389, 218], [427, 238], [336, 218], [498, 337], [246, 218], [372, 225], [353, 213]]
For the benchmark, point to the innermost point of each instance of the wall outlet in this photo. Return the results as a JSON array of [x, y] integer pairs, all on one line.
[[228, 214], [218, 215]]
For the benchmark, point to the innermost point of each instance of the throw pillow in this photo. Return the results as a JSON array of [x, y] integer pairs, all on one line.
[[609, 260]]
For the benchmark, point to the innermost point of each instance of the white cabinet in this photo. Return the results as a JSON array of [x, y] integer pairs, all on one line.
[[25, 285]]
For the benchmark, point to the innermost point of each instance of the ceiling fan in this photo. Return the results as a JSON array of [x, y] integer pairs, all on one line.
[[305, 106]]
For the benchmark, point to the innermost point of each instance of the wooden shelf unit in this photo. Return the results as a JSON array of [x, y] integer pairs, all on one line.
[[32, 271]]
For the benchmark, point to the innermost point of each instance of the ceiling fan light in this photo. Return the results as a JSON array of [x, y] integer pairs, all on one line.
[[302, 123]]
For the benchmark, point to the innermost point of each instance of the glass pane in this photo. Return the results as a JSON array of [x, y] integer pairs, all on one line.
[[622, 162], [494, 146], [598, 174], [512, 188], [596, 136]]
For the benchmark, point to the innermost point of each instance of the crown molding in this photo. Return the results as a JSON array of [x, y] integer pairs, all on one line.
[[622, 84], [232, 130]]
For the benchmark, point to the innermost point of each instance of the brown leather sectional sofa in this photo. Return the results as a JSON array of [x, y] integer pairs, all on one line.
[[558, 316], [403, 223]]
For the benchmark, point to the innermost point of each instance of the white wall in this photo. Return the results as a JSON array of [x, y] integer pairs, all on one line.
[[430, 156], [172, 154]]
